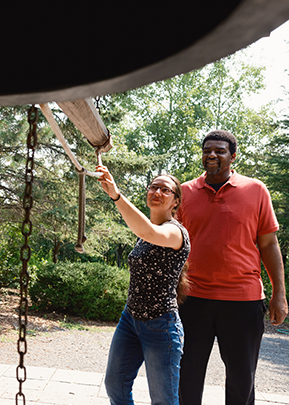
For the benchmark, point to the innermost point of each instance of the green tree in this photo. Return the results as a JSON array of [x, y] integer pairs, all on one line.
[[10, 242], [55, 189], [275, 172], [168, 119], [13, 129], [163, 120], [158, 127], [228, 83]]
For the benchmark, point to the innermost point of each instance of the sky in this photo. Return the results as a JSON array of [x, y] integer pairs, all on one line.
[[272, 52]]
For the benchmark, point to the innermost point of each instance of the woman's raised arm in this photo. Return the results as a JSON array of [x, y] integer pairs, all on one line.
[[167, 235]]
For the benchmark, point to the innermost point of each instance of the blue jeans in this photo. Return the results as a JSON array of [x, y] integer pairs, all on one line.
[[159, 343]]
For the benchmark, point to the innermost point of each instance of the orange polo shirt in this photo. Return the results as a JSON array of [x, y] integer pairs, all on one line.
[[224, 262]]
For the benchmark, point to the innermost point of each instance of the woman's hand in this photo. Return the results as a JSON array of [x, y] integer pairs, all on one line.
[[107, 182]]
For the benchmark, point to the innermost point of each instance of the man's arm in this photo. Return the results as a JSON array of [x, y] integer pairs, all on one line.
[[272, 259]]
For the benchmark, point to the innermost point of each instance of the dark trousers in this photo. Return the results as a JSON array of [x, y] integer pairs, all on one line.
[[238, 326]]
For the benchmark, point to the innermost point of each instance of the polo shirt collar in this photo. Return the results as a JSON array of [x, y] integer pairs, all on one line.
[[233, 180]]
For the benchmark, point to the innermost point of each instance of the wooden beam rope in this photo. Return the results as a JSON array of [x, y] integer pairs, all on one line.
[[55, 128], [98, 136], [81, 237]]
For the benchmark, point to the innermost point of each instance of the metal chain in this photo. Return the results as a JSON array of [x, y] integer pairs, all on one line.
[[97, 99], [25, 250], [98, 150]]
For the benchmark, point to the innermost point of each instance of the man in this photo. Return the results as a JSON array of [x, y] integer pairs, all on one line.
[[232, 226]]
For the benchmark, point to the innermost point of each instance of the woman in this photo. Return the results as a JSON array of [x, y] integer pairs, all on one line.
[[150, 329]]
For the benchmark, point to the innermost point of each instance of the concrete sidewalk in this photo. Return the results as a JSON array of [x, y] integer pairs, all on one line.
[[50, 386]]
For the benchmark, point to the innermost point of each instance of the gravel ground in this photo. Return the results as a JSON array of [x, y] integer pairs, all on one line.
[[87, 350], [52, 344]]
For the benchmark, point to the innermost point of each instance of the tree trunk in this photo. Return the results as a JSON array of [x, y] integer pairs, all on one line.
[[119, 252], [56, 250]]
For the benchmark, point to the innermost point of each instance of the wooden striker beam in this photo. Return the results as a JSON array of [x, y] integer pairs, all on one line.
[[84, 115]]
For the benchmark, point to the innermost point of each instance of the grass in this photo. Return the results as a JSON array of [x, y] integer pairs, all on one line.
[[102, 329], [91, 328], [6, 339], [71, 325]]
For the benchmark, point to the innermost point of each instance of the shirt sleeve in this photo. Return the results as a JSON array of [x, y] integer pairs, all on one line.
[[267, 220]]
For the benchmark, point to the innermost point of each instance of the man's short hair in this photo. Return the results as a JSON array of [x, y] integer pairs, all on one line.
[[221, 135]]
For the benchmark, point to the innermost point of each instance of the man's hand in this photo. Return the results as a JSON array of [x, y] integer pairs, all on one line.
[[278, 309]]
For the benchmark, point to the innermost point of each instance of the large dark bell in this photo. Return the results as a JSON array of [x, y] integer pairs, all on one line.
[[59, 51]]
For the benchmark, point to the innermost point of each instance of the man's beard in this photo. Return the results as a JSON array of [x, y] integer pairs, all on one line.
[[210, 170]]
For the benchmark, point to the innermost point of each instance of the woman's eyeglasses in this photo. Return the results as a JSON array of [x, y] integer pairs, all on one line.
[[163, 190]]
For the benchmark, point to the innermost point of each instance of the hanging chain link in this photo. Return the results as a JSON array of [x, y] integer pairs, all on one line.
[[97, 99], [25, 252], [97, 150]]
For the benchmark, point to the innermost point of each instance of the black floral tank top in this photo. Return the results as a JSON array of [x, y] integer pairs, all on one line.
[[154, 275]]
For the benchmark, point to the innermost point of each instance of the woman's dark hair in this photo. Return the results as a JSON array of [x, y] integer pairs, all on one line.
[[178, 190], [183, 284]]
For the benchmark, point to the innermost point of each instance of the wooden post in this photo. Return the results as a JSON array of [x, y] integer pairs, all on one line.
[[84, 115]]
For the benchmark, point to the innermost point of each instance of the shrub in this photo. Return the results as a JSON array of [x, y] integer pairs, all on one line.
[[9, 275], [91, 290], [10, 265]]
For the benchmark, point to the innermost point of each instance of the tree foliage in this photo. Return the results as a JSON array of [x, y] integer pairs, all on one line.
[[156, 128], [277, 179], [55, 189], [168, 119]]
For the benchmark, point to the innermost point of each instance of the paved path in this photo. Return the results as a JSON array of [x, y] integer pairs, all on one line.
[[50, 386]]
